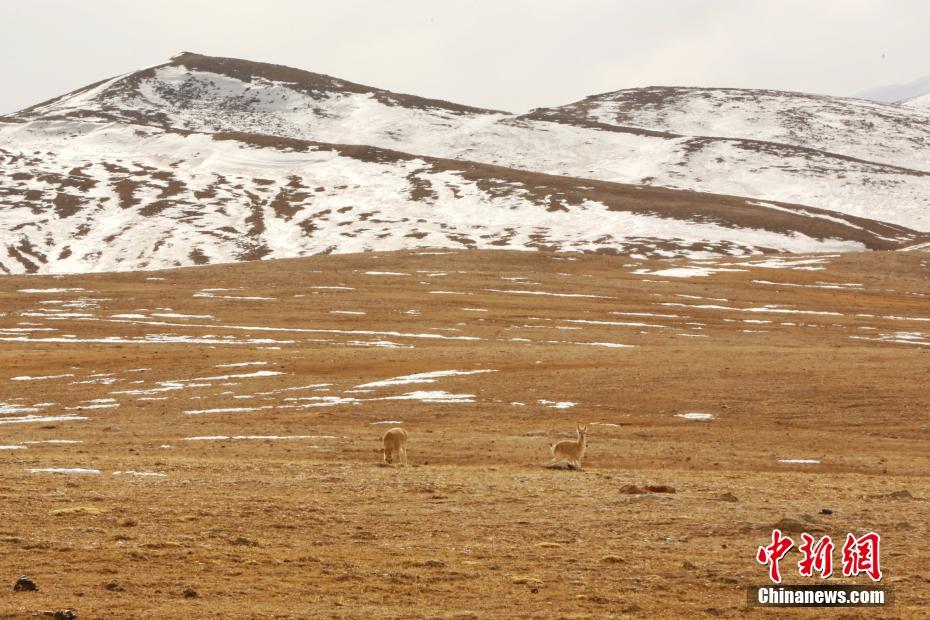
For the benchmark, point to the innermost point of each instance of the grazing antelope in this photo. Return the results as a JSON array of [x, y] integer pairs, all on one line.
[[570, 451], [395, 446]]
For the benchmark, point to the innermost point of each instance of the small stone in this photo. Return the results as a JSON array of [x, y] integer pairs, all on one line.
[[631, 489], [826, 511], [190, 593], [114, 586], [25, 584], [62, 614], [728, 497]]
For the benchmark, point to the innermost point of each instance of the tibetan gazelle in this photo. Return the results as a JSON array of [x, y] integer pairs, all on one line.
[[570, 451], [395, 446]]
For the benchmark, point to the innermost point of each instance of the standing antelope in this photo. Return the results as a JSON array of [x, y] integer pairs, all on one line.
[[570, 451], [395, 446]]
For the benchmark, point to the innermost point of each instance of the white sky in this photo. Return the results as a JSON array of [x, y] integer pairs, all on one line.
[[505, 54]]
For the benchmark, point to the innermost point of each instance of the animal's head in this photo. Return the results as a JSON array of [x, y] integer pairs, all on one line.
[[582, 430]]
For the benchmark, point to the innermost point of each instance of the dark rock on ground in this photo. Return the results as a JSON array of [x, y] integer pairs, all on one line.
[[25, 584]]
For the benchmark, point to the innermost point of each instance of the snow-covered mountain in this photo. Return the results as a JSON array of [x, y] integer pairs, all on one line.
[[921, 102], [205, 159], [844, 127], [897, 92]]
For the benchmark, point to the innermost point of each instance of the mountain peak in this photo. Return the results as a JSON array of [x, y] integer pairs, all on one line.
[[220, 85]]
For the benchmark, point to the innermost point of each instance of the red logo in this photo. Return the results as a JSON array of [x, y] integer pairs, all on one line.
[[773, 553], [860, 555], [817, 557]]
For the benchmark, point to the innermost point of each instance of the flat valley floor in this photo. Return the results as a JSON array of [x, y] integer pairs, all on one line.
[[204, 442]]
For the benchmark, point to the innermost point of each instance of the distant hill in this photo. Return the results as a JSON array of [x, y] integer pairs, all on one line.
[[205, 160], [897, 92]]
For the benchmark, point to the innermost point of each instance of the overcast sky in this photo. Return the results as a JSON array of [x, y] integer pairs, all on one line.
[[511, 55]]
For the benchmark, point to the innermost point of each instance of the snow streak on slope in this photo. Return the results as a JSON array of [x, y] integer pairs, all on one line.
[[854, 157]]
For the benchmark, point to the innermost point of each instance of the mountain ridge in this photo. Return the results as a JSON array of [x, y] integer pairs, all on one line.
[[178, 164]]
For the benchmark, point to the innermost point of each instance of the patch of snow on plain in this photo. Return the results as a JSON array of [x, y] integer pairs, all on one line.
[[238, 364], [53, 442], [432, 397], [913, 338], [547, 294], [36, 419], [552, 404], [691, 271], [140, 474], [50, 290], [696, 416], [609, 345], [423, 377], [613, 323]]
